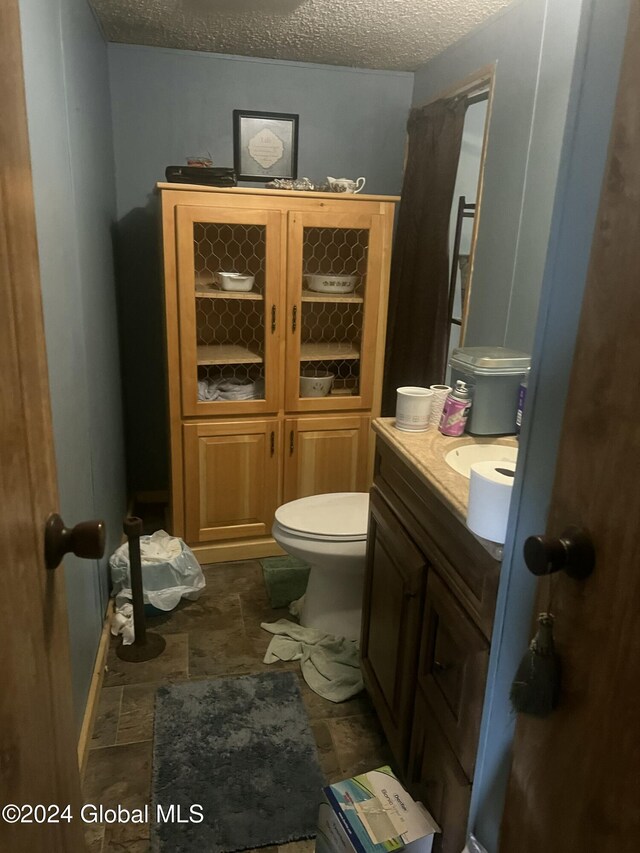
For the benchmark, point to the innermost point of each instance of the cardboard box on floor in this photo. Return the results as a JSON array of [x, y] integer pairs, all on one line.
[[372, 813]]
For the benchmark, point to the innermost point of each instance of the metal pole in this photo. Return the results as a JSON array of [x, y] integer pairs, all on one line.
[[133, 531], [146, 645]]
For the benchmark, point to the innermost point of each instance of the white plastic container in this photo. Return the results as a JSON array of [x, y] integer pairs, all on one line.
[[413, 408], [493, 374]]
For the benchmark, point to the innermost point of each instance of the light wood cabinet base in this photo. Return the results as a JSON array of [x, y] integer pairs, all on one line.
[[225, 552]]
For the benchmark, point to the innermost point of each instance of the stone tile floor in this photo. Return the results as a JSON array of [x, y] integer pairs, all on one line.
[[217, 635]]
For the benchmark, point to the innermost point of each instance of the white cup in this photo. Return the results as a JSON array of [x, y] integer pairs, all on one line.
[[413, 407]]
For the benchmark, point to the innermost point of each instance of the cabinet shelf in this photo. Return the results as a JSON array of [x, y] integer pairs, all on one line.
[[329, 352], [227, 354], [206, 292], [347, 298]]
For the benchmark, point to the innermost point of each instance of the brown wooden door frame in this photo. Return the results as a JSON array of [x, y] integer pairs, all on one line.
[[574, 776], [37, 742]]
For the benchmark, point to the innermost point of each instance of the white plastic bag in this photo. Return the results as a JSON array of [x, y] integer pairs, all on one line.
[[170, 571]]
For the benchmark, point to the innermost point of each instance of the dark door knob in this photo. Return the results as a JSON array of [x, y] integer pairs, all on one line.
[[572, 553], [84, 540]]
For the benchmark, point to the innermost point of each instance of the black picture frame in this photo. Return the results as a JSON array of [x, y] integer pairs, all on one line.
[[260, 130]]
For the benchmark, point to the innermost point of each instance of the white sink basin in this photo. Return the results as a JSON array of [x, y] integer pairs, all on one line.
[[462, 458]]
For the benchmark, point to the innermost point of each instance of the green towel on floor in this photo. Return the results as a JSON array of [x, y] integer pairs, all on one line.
[[330, 665], [285, 578]]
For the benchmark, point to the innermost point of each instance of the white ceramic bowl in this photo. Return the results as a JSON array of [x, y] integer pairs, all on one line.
[[318, 385], [235, 281], [331, 283]]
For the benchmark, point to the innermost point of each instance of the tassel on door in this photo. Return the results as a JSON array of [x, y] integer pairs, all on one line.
[[536, 687]]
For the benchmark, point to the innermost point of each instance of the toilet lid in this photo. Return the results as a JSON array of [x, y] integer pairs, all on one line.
[[342, 515]]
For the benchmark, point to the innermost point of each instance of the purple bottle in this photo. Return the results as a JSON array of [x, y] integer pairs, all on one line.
[[456, 410]]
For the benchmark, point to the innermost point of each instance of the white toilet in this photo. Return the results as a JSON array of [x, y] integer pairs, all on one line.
[[330, 533]]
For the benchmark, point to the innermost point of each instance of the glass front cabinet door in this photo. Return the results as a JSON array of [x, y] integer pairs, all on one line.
[[334, 278], [229, 277]]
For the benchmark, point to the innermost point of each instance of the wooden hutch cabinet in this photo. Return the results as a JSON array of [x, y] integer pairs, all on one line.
[[243, 437]]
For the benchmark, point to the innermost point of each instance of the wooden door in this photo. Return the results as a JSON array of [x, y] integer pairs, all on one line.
[[229, 339], [325, 454], [231, 479], [574, 777], [37, 742], [328, 333], [391, 615]]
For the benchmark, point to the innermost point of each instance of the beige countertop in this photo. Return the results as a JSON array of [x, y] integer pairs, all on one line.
[[424, 453]]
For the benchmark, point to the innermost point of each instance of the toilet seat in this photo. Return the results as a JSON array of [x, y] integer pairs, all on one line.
[[336, 517]]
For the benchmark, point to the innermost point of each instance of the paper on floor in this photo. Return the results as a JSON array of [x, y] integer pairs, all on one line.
[[329, 665]]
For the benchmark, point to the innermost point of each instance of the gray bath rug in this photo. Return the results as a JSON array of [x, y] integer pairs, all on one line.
[[241, 748]]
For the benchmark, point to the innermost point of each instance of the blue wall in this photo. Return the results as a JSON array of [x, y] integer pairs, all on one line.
[[68, 107], [168, 104], [533, 63]]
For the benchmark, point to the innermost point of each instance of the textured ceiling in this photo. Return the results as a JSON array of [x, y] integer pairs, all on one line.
[[398, 34]]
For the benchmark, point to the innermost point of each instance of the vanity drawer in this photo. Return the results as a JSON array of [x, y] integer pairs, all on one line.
[[452, 670], [437, 780], [469, 569]]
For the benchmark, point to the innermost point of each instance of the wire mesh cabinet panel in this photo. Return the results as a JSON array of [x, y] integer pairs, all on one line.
[[333, 293], [229, 275]]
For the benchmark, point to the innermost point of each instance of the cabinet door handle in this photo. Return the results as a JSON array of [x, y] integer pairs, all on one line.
[[273, 319], [291, 443], [273, 442], [294, 318]]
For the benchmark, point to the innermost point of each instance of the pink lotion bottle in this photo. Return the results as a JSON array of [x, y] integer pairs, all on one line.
[[456, 410]]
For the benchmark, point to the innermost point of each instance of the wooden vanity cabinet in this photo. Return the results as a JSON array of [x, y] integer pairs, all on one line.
[[452, 669], [430, 590], [436, 779], [395, 581], [245, 432]]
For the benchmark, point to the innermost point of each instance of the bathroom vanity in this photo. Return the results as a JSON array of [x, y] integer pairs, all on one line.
[[429, 601]]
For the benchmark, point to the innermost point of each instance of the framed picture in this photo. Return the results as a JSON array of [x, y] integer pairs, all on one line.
[[265, 145]]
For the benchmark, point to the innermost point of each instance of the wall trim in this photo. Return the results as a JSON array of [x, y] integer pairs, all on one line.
[[95, 689]]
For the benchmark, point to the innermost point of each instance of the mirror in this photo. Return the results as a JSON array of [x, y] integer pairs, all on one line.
[[465, 210]]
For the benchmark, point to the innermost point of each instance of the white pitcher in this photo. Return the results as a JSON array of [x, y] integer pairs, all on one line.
[[346, 185]]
